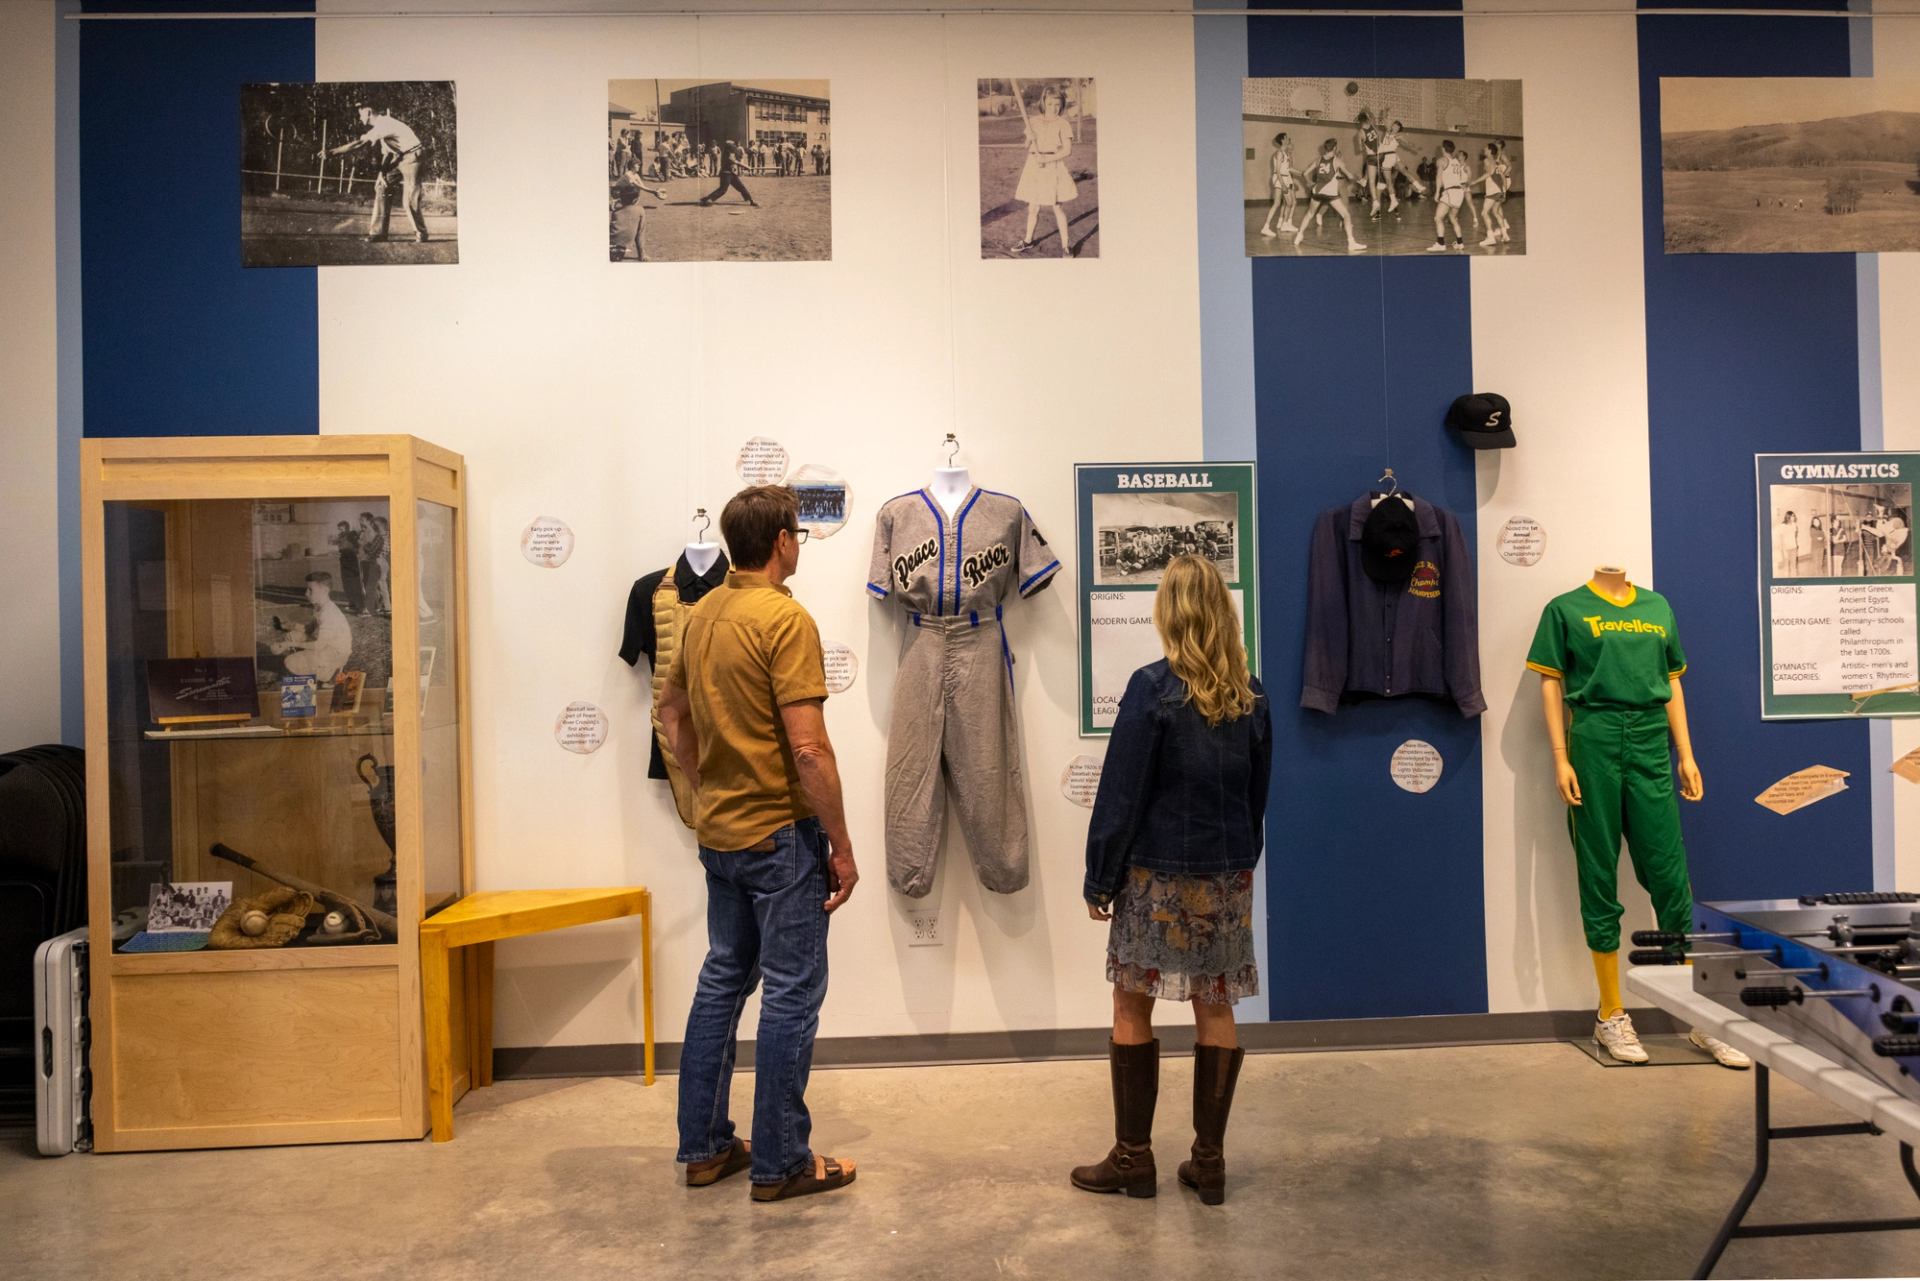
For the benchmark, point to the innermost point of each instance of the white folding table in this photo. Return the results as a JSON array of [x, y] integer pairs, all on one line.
[[1881, 1111]]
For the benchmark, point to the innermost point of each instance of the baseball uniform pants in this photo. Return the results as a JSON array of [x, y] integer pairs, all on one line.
[[1625, 769], [408, 168], [953, 727]]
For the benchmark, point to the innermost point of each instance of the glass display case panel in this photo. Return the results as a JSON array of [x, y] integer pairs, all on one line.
[[249, 722], [439, 707]]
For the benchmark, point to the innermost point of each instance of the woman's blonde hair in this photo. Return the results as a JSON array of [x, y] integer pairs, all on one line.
[[1201, 634]]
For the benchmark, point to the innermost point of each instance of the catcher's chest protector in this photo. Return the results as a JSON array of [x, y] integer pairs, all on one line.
[[669, 617]]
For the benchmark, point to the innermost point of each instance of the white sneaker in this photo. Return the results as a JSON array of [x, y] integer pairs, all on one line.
[[1617, 1037], [1268, 232], [1723, 1054]]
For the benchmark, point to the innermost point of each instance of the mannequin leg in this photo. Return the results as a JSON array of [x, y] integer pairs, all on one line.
[[1606, 969], [1593, 748], [1652, 825]]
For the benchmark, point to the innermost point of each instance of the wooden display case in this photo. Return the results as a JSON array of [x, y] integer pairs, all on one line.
[[330, 572]]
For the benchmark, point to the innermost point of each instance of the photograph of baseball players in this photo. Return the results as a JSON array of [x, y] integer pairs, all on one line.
[[348, 173], [1135, 536], [1842, 531], [323, 590], [719, 171], [824, 499], [178, 907], [1039, 168], [1800, 164], [1338, 166]]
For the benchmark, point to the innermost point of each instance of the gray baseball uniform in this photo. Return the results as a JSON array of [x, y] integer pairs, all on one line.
[[953, 695]]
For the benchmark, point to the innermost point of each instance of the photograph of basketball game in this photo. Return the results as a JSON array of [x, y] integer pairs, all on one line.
[[1039, 168], [1791, 164], [348, 173], [719, 171], [1334, 166]]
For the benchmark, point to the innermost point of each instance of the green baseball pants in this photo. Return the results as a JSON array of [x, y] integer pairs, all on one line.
[[1625, 768]]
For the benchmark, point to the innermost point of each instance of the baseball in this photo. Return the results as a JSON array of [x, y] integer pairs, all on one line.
[[253, 923], [334, 923]]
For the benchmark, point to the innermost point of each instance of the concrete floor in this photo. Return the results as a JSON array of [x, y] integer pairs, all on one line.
[[1498, 1161]]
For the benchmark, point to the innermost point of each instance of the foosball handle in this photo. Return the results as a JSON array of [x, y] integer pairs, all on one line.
[[1771, 996], [1897, 1047], [1656, 957], [1657, 938]]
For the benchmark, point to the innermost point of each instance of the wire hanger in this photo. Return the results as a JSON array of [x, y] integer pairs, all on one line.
[[1392, 482], [700, 533], [952, 443]]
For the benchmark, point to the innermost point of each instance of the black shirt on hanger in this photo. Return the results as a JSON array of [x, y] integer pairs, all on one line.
[[640, 638]]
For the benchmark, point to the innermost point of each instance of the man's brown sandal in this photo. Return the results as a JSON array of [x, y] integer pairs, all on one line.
[[735, 1159], [826, 1175]]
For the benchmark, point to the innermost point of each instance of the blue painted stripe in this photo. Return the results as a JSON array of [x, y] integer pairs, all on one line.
[[179, 338], [1746, 353], [1327, 419]]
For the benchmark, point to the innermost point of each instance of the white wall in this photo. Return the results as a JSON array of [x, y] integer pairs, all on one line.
[[1562, 334], [533, 358], [30, 623]]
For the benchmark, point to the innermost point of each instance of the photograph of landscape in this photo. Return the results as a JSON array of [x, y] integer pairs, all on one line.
[[1790, 165]]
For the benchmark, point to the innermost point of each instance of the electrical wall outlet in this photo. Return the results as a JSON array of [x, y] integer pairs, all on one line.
[[926, 929]]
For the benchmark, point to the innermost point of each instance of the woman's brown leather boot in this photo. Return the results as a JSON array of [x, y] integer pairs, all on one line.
[[1215, 1071], [1136, 1085]]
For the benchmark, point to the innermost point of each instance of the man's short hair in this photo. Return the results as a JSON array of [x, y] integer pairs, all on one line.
[[752, 520], [322, 577]]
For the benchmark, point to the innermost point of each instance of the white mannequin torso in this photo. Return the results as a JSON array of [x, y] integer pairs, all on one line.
[[700, 556], [950, 487]]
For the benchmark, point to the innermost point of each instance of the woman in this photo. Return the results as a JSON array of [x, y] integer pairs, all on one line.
[[1286, 192], [1323, 182], [1813, 560], [1786, 545], [1170, 857], [1495, 175], [1044, 180]]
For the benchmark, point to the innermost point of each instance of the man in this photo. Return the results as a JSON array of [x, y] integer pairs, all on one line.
[[731, 157], [742, 709], [332, 643], [397, 149], [347, 543]]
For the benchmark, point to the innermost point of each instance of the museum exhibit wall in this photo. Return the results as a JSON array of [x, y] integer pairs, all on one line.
[[29, 488], [616, 398]]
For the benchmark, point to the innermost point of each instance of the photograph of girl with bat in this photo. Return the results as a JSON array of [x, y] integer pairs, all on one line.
[[1037, 153]]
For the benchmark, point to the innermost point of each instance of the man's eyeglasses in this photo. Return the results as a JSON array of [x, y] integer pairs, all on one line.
[[799, 535]]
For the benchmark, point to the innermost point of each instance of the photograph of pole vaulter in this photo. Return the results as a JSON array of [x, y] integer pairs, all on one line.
[[1039, 168], [1790, 164], [719, 171], [1334, 166], [348, 173]]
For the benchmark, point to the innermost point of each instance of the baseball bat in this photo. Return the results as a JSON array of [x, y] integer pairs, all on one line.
[[1020, 101]]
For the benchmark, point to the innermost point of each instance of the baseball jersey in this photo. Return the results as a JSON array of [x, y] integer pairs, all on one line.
[[1610, 656], [968, 563]]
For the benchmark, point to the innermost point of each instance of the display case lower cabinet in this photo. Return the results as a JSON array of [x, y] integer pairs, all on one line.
[[278, 786]]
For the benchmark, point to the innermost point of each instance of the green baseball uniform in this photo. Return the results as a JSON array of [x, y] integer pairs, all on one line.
[[1616, 661]]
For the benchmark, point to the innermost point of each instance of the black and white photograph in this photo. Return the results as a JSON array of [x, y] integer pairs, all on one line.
[[1333, 166], [1790, 164], [1842, 531], [1039, 168], [182, 907], [348, 173], [323, 590], [824, 499], [719, 171], [1136, 535]]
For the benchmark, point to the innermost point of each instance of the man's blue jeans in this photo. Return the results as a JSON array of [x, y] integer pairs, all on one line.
[[766, 920]]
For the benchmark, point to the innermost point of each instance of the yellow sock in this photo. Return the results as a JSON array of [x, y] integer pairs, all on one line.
[[1606, 968]]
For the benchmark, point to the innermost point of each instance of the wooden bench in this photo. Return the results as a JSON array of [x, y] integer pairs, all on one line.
[[476, 922]]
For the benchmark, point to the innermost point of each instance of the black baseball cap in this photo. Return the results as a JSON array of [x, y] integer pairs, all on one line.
[[1484, 421], [1387, 541]]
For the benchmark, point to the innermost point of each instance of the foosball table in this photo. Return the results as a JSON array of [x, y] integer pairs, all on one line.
[[1826, 990]]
